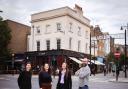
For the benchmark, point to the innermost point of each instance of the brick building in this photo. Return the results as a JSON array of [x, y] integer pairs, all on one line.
[[19, 32], [104, 43]]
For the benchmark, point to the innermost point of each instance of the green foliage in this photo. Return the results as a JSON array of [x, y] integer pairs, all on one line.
[[110, 57], [5, 37], [120, 61]]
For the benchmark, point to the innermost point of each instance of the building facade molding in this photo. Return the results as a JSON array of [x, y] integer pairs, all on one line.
[[57, 16]]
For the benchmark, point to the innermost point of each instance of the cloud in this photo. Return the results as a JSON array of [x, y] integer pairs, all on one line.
[[109, 14]]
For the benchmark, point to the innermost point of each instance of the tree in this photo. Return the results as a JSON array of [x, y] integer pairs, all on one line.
[[110, 57], [5, 37]]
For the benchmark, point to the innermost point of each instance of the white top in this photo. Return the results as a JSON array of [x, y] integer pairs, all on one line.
[[62, 78], [83, 73]]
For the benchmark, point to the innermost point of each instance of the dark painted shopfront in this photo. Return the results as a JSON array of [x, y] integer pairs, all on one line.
[[54, 58]]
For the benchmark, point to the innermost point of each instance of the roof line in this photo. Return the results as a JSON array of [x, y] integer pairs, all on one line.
[[17, 22], [57, 9]]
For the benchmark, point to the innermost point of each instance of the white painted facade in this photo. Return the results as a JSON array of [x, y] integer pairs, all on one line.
[[107, 48], [73, 30]]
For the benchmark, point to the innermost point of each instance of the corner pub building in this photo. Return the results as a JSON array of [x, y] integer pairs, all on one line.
[[58, 35]]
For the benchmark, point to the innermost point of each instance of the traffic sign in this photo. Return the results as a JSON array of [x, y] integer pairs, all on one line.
[[117, 54]]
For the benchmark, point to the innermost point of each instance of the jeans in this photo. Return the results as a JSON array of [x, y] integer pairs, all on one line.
[[84, 87]]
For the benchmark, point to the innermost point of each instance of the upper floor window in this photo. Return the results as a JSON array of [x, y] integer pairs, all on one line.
[[79, 44], [86, 47], [79, 31], [58, 43], [48, 44], [70, 27], [38, 45], [48, 29], [38, 29], [70, 43], [87, 34], [59, 28]]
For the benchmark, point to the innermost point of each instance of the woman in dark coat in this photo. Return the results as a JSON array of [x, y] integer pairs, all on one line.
[[65, 80], [24, 79], [45, 78]]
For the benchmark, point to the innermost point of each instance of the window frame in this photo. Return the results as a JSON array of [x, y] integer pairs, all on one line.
[[47, 31], [79, 31], [58, 45], [38, 45], [70, 27], [47, 46], [79, 45], [38, 31], [70, 43]]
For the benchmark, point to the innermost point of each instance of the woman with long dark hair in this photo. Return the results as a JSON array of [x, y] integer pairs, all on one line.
[[65, 80], [24, 79], [45, 78]]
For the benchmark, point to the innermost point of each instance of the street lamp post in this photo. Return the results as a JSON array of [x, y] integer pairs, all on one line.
[[0, 16], [125, 61], [94, 51], [117, 56], [13, 62]]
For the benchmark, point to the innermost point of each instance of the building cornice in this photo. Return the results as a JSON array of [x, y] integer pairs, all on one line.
[[51, 10], [58, 9], [61, 15]]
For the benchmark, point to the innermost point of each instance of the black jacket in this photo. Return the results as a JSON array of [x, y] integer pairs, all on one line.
[[44, 78], [67, 81], [24, 80]]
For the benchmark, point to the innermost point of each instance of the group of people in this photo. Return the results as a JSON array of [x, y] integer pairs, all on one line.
[[64, 77]]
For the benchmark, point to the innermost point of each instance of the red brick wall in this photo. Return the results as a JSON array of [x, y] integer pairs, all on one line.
[[19, 32]]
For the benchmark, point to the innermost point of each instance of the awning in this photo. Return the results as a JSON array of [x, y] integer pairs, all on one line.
[[80, 62], [97, 62], [75, 60]]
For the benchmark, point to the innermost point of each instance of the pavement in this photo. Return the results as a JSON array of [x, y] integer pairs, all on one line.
[[121, 78], [110, 78], [99, 81]]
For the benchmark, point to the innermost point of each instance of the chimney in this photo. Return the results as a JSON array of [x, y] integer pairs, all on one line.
[[78, 9]]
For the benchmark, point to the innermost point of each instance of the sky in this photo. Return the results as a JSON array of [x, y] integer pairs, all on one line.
[[110, 15]]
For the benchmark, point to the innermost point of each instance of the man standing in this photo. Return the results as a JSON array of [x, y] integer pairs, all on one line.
[[83, 73]]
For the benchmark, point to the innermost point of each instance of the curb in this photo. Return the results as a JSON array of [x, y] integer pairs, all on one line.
[[120, 80]]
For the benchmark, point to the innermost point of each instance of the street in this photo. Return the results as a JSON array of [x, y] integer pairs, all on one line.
[[99, 81]]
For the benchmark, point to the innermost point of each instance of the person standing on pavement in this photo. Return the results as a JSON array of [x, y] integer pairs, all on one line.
[[105, 70], [45, 78], [64, 80], [83, 73], [24, 79], [113, 69]]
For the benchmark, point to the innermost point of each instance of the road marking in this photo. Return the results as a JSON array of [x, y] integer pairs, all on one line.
[[3, 78], [98, 80]]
